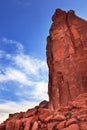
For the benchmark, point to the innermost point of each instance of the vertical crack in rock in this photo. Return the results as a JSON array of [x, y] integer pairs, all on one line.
[[69, 29], [66, 58]]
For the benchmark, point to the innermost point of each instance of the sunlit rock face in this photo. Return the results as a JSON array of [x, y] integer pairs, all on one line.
[[66, 58], [67, 62], [71, 117]]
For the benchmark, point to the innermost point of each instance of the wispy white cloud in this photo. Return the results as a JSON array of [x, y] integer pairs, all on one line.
[[26, 71], [11, 74], [1, 53], [40, 91], [24, 2], [29, 64], [10, 107], [8, 56], [4, 54], [19, 45]]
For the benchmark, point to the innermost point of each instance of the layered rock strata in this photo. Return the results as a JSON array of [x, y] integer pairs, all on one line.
[[66, 58]]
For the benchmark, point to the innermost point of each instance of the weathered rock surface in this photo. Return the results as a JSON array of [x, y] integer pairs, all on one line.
[[67, 89], [72, 117], [66, 58]]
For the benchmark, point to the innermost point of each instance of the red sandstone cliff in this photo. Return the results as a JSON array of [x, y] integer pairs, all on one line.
[[66, 58], [67, 87]]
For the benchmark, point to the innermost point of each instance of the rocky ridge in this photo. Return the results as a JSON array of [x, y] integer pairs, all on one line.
[[67, 88], [71, 117]]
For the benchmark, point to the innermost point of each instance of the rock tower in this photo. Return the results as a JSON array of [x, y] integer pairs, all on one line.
[[67, 87], [66, 58]]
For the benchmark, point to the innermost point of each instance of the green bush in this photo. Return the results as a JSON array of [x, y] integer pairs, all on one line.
[[78, 119], [68, 114]]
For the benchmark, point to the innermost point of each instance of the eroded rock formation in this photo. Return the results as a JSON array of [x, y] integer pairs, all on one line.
[[67, 89], [71, 117], [66, 58]]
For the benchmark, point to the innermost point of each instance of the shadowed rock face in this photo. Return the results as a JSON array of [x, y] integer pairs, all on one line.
[[66, 58]]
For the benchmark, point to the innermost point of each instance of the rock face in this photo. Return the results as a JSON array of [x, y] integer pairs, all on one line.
[[67, 88], [66, 58], [71, 117]]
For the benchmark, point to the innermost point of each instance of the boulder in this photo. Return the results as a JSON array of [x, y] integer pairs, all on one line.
[[72, 127]]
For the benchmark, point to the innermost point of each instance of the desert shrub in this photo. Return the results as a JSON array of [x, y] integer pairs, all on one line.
[[69, 114], [78, 119]]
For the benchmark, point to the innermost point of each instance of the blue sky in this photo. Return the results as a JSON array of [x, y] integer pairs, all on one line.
[[24, 26]]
